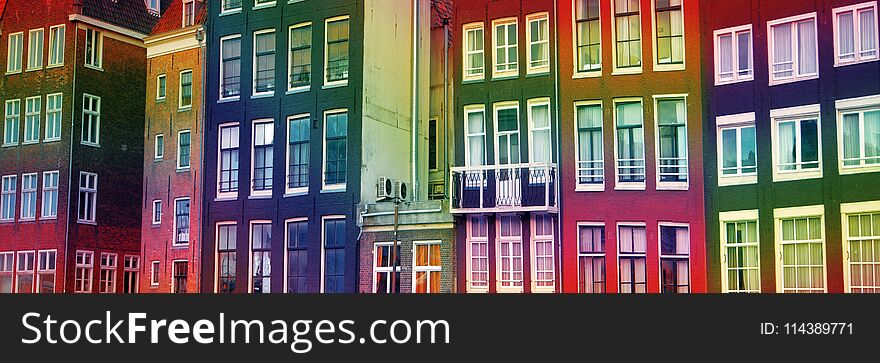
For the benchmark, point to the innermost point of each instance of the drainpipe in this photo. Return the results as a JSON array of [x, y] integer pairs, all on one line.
[[70, 162], [448, 133], [197, 252], [558, 141], [415, 102]]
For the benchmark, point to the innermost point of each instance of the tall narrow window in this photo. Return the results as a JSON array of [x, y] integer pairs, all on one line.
[[35, 48], [154, 274], [672, 162], [590, 153], [263, 165], [336, 52], [297, 256], [15, 46], [25, 272], [85, 265], [46, 272], [591, 258], [50, 195], [88, 192], [32, 109], [855, 33], [386, 268], [53, 116], [589, 36], [510, 252], [802, 262], [161, 87], [335, 149], [630, 142], [228, 176], [670, 31], [627, 33], [545, 262], [539, 43], [475, 149], [91, 120], [28, 196], [179, 272], [298, 130], [189, 13], [432, 144], [793, 49], [632, 261], [738, 150], [264, 62], [507, 124], [7, 204], [733, 54], [230, 66], [300, 56], [863, 246], [261, 257], [861, 138], [94, 48], [675, 259], [227, 235], [740, 256], [183, 149], [181, 221], [474, 65], [10, 123], [333, 267], [186, 90], [798, 145], [153, 6], [539, 126], [157, 212], [478, 252], [159, 147], [506, 50], [131, 267], [107, 283], [426, 267], [7, 260]]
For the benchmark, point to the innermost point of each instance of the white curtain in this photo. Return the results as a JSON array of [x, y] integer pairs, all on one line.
[[867, 22], [476, 138], [744, 49], [640, 240], [725, 56], [786, 144], [541, 133], [625, 236], [682, 241], [782, 50], [846, 46], [872, 136], [851, 142], [807, 47]]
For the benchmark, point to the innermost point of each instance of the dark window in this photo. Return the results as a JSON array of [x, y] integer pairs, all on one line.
[[231, 66], [336, 152], [264, 62], [180, 270], [588, 35], [300, 56], [674, 259], [628, 33], [264, 134], [228, 159], [183, 148], [261, 251], [298, 153], [297, 256], [181, 221], [337, 50], [226, 244], [432, 144], [334, 255], [186, 89], [670, 32], [591, 255]]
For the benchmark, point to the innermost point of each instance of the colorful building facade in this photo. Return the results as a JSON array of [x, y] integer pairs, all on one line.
[[73, 96], [792, 156]]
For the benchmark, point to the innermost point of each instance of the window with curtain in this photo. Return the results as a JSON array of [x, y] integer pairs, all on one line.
[[590, 157], [510, 249], [798, 144], [803, 265], [861, 138], [793, 47], [539, 126], [300, 56], [474, 67], [545, 265], [863, 243], [670, 31], [264, 62], [427, 267], [298, 152], [591, 258], [589, 35], [630, 142], [333, 269], [738, 151], [478, 248], [337, 51], [228, 178], [7, 261], [506, 51], [264, 135], [227, 237], [476, 137], [741, 256], [25, 273], [856, 33], [335, 152], [672, 138], [261, 257], [675, 259], [627, 33], [386, 269], [539, 44], [507, 118], [230, 66], [632, 258], [733, 51], [181, 221], [297, 256]]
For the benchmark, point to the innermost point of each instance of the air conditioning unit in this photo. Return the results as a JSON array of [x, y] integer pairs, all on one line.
[[384, 188], [401, 190]]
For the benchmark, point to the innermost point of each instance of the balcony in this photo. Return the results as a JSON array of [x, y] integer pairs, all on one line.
[[504, 188]]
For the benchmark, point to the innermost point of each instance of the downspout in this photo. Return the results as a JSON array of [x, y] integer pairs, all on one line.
[[558, 141], [447, 132], [200, 36], [415, 102], [70, 161]]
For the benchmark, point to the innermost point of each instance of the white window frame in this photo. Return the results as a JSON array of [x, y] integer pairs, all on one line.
[[254, 93], [227, 11], [287, 250], [131, 264], [172, 281], [341, 82], [88, 269], [597, 187], [15, 116], [220, 96], [189, 164], [289, 64], [32, 270], [426, 269], [55, 32], [158, 152], [184, 20], [388, 270], [603, 254], [671, 185], [324, 185], [98, 42], [288, 191], [798, 114], [35, 61], [229, 195], [630, 254], [469, 251], [578, 73], [734, 62], [661, 255], [14, 54], [157, 212], [501, 106], [533, 244], [618, 185], [38, 281], [160, 96], [154, 9], [49, 187], [58, 112], [504, 22], [9, 195], [260, 4], [324, 220], [31, 189], [250, 255], [262, 193], [615, 70], [735, 217], [217, 252], [110, 284], [857, 26], [779, 214], [796, 75], [537, 18], [154, 274], [467, 149], [10, 272], [736, 122], [858, 105], [192, 89], [537, 102], [499, 241], [664, 67], [97, 124], [846, 210], [32, 119], [93, 212], [466, 30], [189, 238]]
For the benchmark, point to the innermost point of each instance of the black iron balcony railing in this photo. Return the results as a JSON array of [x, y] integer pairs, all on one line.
[[498, 188]]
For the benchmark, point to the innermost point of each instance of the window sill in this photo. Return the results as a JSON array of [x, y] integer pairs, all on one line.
[[474, 79], [54, 139], [229, 12], [538, 73], [672, 185], [626, 71], [792, 80], [590, 187], [263, 6], [159, 159], [90, 223], [183, 170], [49, 218], [226, 198], [260, 196], [228, 99], [40, 68], [477, 290], [263, 95], [30, 142], [9, 73], [156, 225], [509, 290], [587, 74], [543, 290], [629, 186], [668, 67], [723, 83], [27, 220], [724, 181], [100, 69], [505, 77], [838, 63], [849, 170], [86, 143], [797, 175], [296, 90], [296, 192], [59, 65], [329, 189], [335, 84], [10, 145], [7, 221], [179, 246], [184, 109]]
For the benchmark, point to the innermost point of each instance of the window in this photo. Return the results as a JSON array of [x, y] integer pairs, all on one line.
[[228, 178], [131, 266], [264, 134], [261, 257], [183, 149], [153, 6], [154, 274], [50, 195], [10, 125], [507, 133], [588, 36], [510, 252], [591, 258], [670, 32], [159, 151], [161, 87], [94, 48], [386, 268], [227, 237], [264, 62], [46, 272], [25, 273], [186, 90], [478, 252], [189, 13], [261, 3], [539, 43], [297, 256], [733, 55], [230, 65], [672, 160], [627, 34], [53, 116], [800, 242], [862, 251], [740, 252], [737, 149], [298, 153], [32, 108], [860, 138], [796, 145], [793, 49], [590, 152], [475, 65], [336, 52], [230, 5], [157, 212], [36, 38], [855, 33], [505, 44], [539, 129], [28, 196], [85, 264], [630, 139], [300, 56], [181, 221], [6, 272], [335, 148], [632, 254], [107, 283], [475, 148], [432, 144], [179, 272], [15, 43], [426, 267], [544, 277], [333, 267], [91, 119], [675, 243], [88, 193], [8, 198]]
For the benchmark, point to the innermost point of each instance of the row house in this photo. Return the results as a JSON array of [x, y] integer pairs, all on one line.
[[72, 93], [792, 146], [172, 193]]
